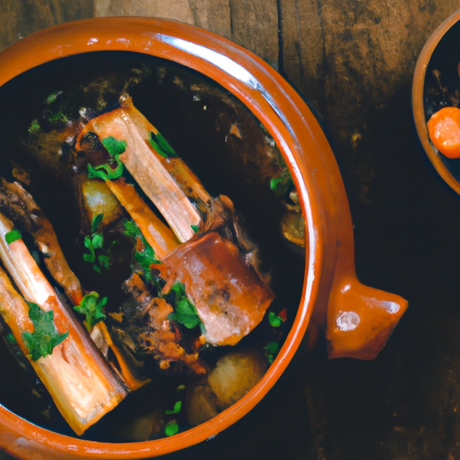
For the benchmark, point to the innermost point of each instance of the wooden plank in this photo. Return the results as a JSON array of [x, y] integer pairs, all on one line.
[[212, 15], [21, 18], [354, 60], [174, 9], [347, 57], [302, 47], [254, 25]]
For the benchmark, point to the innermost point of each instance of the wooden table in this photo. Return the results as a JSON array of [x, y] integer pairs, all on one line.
[[353, 60]]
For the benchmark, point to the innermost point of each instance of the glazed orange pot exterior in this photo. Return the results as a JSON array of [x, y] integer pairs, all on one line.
[[330, 284]]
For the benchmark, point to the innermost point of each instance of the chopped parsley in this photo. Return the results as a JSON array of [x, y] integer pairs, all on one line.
[[96, 222], [195, 228], [55, 118], [34, 127], [161, 145], [176, 410], [274, 319], [97, 255], [144, 254], [185, 312], [115, 148], [12, 236], [10, 338], [52, 97], [282, 184], [93, 308], [45, 337], [271, 350], [171, 428]]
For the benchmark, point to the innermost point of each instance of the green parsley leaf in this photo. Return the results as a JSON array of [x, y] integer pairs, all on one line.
[[45, 337], [97, 269], [282, 184], [176, 410], [93, 308], [13, 235], [171, 428], [147, 256], [52, 97], [274, 319], [195, 228], [104, 261], [91, 256], [185, 312], [161, 145], [96, 222], [10, 338], [58, 118], [131, 229], [115, 148], [94, 242], [105, 172], [97, 241], [34, 127], [271, 350]]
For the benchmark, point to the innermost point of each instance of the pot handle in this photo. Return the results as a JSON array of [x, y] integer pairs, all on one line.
[[360, 319]]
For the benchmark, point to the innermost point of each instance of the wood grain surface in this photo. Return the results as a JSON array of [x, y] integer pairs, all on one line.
[[353, 61]]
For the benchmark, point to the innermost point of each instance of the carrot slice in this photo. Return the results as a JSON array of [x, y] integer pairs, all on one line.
[[444, 131]]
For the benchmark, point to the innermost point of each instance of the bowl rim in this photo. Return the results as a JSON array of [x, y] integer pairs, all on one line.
[[283, 113], [418, 104]]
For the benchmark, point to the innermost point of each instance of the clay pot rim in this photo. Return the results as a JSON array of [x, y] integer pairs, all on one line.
[[418, 106], [272, 100]]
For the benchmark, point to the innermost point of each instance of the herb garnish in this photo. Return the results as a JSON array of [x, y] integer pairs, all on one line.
[[185, 312], [12, 236], [195, 228], [282, 184], [161, 145], [271, 350], [274, 319], [55, 118], [93, 308], [171, 428], [94, 242], [52, 97], [34, 126], [144, 254], [176, 410], [45, 337], [10, 338], [115, 148]]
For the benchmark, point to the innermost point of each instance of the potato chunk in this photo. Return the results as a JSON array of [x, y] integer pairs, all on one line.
[[98, 199], [201, 405], [235, 374]]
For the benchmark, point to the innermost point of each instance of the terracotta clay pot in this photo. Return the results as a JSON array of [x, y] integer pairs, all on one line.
[[357, 319], [435, 85]]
